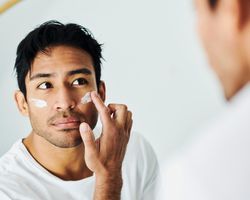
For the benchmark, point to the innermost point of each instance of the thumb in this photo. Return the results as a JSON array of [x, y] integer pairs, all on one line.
[[91, 153], [86, 133]]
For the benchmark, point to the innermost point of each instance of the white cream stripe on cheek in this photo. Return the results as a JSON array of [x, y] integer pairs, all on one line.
[[86, 98], [39, 103]]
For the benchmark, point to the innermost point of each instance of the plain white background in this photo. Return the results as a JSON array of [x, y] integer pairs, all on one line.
[[154, 63]]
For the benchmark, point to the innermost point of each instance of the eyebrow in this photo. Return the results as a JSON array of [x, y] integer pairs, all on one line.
[[79, 71], [41, 75], [70, 73]]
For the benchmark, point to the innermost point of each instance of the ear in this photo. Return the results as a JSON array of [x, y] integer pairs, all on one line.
[[21, 103], [102, 90]]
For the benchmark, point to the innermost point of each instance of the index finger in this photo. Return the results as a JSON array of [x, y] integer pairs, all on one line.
[[104, 111]]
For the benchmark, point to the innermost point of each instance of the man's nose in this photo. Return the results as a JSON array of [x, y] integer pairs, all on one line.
[[65, 99]]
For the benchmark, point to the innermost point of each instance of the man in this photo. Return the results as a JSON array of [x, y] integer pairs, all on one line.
[[58, 72], [217, 165]]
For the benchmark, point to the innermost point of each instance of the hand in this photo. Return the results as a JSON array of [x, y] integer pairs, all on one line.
[[105, 155]]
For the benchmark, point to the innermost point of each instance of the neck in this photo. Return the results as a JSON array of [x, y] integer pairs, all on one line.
[[65, 163]]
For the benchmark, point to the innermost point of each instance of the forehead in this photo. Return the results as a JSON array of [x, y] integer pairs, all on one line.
[[61, 59]]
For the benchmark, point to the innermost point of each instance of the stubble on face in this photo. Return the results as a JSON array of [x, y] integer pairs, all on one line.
[[64, 59], [63, 138]]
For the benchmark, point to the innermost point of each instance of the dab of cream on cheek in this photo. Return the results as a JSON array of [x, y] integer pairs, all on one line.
[[86, 98], [42, 104], [39, 103]]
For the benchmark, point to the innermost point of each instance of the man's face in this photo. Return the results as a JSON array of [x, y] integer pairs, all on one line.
[[55, 86], [218, 30]]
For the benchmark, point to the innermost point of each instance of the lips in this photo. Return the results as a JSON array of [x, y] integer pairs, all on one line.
[[67, 123]]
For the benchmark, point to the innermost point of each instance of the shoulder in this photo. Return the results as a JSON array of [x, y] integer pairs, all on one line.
[[8, 180], [140, 149], [235, 117], [140, 167], [10, 163], [216, 156], [8, 158]]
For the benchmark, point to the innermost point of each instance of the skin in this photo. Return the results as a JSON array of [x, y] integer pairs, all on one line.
[[225, 36], [62, 77]]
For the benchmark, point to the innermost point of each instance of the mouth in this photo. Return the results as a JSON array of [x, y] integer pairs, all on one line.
[[70, 123]]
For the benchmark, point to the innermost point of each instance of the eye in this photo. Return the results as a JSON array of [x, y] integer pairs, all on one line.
[[80, 82], [44, 86]]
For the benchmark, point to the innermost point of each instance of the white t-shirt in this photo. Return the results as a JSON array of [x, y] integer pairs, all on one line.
[[22, 178], [216, 166]]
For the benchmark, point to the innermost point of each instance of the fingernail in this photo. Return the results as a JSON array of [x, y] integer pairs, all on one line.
[[84, 127]]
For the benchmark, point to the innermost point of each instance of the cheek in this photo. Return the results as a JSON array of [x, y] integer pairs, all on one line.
[[203, 31], [85, 99], [38, 116], [39, 103], [205, 23], [38, 108], [90, 113], [209, 38], [82, 101]]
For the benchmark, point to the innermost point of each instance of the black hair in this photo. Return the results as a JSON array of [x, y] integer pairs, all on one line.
[[213, 3], [53, 33]]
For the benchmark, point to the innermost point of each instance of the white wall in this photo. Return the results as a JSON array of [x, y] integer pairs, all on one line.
[[154, 63]]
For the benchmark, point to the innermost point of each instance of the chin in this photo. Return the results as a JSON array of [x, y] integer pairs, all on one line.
[[66, 139], [67, 144], [227, 96]]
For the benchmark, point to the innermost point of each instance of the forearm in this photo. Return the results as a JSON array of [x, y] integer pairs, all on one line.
[[108, 188]]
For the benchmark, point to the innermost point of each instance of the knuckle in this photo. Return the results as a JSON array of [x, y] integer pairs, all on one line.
[[124, 107], [121, 106], [106, 110], [127, 136], [111, 104]]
